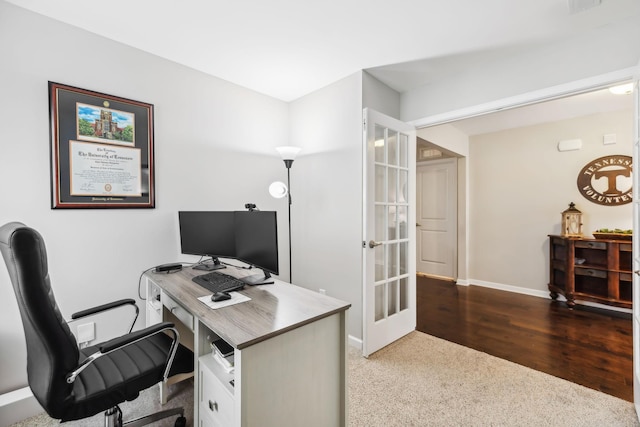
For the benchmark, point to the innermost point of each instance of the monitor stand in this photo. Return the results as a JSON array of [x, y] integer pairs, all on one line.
[[258, 279], [210, 267]]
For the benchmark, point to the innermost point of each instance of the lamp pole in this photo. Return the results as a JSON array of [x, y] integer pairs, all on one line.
[[288, 155], [288, 164]]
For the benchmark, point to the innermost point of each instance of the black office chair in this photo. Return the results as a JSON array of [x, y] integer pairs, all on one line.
[[72, 383]]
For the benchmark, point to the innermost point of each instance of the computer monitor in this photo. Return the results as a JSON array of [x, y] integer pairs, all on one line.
[[256, 234], [208, 234]]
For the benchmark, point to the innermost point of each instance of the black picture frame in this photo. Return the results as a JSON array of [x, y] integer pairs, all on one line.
[[102, 150]]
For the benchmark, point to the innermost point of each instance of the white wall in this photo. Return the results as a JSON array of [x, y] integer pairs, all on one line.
[[380, 97], [214, 147], [326, 189], [326, 183], [519, 185], [600, 51], [327, 186]]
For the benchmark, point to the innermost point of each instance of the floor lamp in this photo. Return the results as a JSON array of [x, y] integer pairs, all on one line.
[[279, 190]]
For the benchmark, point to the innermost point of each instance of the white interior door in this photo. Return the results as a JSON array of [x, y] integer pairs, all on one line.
[[436, 213], [636, 250], [389, 276]]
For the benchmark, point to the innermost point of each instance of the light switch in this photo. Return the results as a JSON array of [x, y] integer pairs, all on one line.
[[609, 138]]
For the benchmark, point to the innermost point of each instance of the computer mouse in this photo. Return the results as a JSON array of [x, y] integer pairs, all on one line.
[[220, 296]]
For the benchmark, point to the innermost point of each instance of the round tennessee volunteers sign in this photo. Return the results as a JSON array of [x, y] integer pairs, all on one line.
[[607, 180]]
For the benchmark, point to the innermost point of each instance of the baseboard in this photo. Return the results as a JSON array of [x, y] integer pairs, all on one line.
[[462, 282], [509, 288], [355, 342], [18, 405], [540, 294]]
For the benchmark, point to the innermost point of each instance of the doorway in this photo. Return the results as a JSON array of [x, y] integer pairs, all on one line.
[[494, 194], [582, 104]]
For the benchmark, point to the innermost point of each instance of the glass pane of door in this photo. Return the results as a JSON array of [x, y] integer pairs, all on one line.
[[393, 297], [380, 144], [391, 228]]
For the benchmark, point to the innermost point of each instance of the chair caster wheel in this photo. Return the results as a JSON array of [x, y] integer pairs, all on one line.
[[181, 422]]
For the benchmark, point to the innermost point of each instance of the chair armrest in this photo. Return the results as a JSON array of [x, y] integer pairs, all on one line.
[[103, 307], [120, 342], [108, 306], [124, 340]]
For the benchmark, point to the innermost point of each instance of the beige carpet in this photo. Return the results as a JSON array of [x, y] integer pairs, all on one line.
[[421, 380]]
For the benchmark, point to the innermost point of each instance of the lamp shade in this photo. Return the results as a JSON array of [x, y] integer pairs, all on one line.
[[278, 189], [288, 152]]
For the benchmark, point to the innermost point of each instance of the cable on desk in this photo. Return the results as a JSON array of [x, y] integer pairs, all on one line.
[[188, 264], [140, 282], [239, 267]]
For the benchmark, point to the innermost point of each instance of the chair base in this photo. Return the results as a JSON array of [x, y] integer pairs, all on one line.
[[113, 418]]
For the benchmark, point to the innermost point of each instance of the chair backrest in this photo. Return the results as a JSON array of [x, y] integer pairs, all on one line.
[[52, 350]]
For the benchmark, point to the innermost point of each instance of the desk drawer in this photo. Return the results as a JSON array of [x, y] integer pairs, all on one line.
[[176, 309], [207, 421], [216, 403], [590, 244], [593, 272]]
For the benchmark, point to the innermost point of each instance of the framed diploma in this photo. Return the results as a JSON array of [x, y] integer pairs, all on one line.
[[101, 150]]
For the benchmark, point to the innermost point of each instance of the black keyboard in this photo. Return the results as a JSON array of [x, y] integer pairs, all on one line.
[[218, 282]]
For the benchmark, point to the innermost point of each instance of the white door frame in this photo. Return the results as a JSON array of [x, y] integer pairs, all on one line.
[[636, 247], [555, 92]]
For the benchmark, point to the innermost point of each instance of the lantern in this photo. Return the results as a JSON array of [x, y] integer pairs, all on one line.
[[572, 222]]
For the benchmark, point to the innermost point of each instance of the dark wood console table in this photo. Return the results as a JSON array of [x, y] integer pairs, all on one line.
[[597, 270]]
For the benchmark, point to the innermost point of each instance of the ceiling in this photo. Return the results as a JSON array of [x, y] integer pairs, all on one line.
[[289, 48]]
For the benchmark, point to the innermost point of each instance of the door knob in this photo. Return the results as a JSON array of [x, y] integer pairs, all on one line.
[[418, 224], [373, 244]]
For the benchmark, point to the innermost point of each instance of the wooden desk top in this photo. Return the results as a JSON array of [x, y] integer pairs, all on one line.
[[273, 309]]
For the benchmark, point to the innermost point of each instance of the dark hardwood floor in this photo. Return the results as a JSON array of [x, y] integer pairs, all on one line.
[[587, 346]]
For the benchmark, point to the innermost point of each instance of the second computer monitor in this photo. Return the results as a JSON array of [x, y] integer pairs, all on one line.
[[257, 239], [208, 234]]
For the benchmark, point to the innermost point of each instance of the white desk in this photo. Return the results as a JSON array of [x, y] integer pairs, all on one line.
[[290, 352]]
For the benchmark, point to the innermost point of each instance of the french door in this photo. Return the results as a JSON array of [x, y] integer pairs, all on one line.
[[389, 276], [636, 247]]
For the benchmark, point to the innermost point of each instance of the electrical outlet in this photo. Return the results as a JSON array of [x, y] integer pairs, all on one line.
[[86, 332]]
